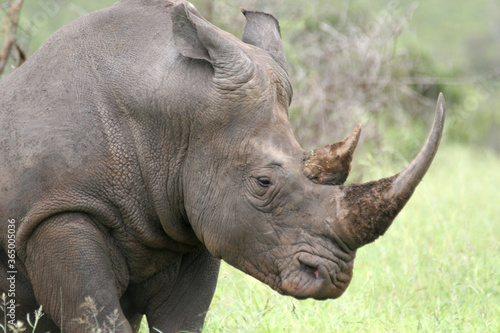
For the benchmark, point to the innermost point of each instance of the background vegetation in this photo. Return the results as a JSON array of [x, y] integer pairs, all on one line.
[[381, 63]]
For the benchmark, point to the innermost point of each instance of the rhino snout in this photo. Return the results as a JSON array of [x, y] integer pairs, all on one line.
[[316, 277]]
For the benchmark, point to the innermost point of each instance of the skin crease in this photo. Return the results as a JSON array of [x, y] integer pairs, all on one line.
[[141, 144]]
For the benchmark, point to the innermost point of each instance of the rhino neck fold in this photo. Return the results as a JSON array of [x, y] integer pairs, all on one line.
[[161, 151]]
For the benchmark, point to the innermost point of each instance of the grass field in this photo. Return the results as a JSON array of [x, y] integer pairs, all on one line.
[[436, 270]]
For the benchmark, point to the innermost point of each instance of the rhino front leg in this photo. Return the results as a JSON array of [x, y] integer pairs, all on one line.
[[69, 259], [184, 305]]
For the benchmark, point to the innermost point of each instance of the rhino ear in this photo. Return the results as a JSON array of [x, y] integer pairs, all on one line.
[[196, 38], [185, 33], [263, 30]]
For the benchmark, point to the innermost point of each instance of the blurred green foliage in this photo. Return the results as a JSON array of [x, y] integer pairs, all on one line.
[[421, 48]]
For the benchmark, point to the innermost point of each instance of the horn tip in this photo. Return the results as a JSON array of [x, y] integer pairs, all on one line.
[[441, 104], [357, 128], [440, 111], [356, 132], [441, 99]]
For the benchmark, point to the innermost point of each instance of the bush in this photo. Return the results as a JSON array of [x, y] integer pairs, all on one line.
[[348, 69]]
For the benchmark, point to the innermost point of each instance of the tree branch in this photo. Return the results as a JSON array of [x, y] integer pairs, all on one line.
[[458, 81], [10, 35]]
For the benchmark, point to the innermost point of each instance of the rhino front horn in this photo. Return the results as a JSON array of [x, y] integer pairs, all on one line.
[[365, 211], [331, 164]]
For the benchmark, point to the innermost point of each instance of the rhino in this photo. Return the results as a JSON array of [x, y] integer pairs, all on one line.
[[140, 145]]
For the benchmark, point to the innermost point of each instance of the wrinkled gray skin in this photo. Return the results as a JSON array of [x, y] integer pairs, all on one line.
[[141, 144]]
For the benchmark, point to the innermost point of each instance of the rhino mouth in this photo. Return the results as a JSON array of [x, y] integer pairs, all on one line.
[[316, 277]]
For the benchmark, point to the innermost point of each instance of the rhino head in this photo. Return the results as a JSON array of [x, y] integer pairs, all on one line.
[[251, 194]]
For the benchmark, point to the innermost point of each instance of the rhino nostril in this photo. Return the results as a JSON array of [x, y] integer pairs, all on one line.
[[311, 270]]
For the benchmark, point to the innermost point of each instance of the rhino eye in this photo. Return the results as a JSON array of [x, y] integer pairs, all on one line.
[[264, 182]]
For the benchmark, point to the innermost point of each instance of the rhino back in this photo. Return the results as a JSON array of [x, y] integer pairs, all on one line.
[[65, 140]]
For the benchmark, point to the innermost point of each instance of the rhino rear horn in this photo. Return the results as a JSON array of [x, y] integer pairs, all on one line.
[[196, 38], [331, 164], [263, 30]]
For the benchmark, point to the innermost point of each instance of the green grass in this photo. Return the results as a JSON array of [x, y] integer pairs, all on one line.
[[435, 270]]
